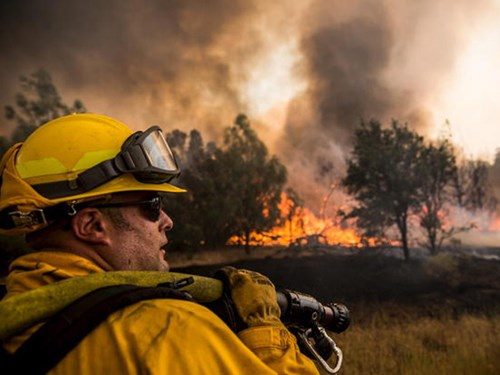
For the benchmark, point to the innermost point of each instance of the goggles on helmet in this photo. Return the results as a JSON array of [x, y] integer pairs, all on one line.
[[145, 154]]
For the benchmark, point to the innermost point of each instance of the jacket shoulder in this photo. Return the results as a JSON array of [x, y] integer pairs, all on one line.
[[161, 336]]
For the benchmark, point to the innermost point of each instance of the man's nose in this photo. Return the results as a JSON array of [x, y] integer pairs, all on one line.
[[165, 222]]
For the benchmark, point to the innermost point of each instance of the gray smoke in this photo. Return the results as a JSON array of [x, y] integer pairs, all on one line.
[[180, 61], [368, 60], [184, 64]]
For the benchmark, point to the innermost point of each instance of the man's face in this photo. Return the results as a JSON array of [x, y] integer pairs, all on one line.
[[138, 241]]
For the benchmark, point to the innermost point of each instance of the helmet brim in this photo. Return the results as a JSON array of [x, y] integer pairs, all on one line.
[[121, 184]]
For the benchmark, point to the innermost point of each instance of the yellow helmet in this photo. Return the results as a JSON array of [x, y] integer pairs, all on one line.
[[75, 158]]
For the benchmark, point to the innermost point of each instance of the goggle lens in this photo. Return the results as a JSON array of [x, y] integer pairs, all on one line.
[[157, 151], [145, 154]]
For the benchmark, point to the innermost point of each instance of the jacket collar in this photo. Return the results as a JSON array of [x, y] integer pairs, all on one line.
[[45, 267]]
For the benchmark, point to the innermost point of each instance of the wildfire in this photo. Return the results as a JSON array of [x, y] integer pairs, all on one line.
[[300, 227], [495, 224]]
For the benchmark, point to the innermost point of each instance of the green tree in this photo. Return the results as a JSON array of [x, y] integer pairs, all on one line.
[[260, 179], [478, 191], [184, 208], [437, 173], [476, 183], [459, 185], [234, 189], [38, 102], [383, 176]]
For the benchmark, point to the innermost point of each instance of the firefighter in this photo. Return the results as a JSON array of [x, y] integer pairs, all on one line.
[[86, 192]]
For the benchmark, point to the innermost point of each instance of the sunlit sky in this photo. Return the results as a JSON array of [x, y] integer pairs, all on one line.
[[273, 80], [468, 101], [471, 99], [439, 59]]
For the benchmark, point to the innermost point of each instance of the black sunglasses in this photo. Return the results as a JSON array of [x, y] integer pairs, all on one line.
[[151, 208]]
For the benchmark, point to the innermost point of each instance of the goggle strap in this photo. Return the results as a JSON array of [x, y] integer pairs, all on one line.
[[86, 181], [97, 175], [11, 218], [131, 159]]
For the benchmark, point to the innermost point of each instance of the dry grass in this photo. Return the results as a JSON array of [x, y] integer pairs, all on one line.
[[467, 345], [435, 316]]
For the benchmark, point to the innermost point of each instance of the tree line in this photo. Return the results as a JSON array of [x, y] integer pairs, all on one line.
[[234, 187], [394, 174]]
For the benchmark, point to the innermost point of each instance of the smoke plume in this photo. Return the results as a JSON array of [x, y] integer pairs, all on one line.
[[368, 60], [188, 64], [181, 62]]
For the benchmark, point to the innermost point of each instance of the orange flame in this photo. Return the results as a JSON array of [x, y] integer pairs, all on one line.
[[300, 227], [495, 224]]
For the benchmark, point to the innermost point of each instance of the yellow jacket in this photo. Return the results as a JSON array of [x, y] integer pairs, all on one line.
[[161, 336]]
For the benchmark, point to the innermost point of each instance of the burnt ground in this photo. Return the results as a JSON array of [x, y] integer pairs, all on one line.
[[368, 282], [365, 282]]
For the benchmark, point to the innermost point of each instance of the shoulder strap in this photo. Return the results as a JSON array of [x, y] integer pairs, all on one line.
[[58, 336]]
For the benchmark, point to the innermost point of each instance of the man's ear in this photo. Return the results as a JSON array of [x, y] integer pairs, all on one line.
[[90, 225]]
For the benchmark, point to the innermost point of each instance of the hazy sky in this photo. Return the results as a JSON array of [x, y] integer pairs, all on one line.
[[305, 72]]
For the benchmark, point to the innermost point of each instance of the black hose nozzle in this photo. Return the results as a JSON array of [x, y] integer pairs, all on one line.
[[303, 310]]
